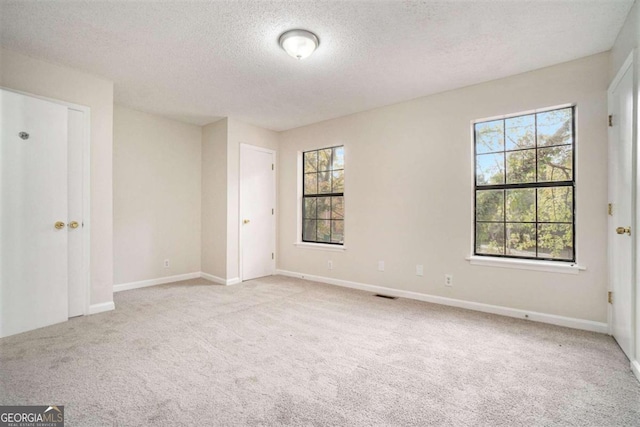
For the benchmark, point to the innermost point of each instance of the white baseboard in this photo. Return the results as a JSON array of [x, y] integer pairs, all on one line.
[[102, 307], [220, 280], [154, 282], [587, 325], [635, 368]]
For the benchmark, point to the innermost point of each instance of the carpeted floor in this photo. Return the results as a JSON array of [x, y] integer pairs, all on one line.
[[282, 351]]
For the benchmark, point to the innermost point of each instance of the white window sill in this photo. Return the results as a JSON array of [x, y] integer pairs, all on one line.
[[321, 247], [525, 264]]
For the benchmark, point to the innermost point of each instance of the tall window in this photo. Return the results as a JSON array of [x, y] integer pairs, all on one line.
[[525, 186], [323, 196]]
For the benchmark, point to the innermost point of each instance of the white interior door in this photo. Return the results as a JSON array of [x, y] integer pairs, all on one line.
[[257, 211], [33, 197], [621, 235], [77, 279]]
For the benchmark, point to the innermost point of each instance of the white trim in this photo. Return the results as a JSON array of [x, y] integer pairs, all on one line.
[[86, 187], [321, 246], [274, 159], [621, 72], [220, 280], [300, 196], [549, 266], [86, 209], [154, 282], [525, 264], [635, 368], [522, 113], [102, 307], [587, 325]]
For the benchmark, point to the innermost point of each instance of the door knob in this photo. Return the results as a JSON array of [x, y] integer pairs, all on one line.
[[624, 230], [59, 225], [246, 221], [74, 224]]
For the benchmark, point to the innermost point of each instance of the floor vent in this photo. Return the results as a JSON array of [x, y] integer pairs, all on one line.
[[386, 296]]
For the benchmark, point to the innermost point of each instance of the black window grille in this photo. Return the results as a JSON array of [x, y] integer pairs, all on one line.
[[323, 196], [524, 201]]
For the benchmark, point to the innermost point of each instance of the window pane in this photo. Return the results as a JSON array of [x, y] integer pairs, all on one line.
[[337, 207], [519, 156], [324, 182], [338, 158], [521, 240], [554, 127], [310, 183], [490, 169], [309, 208], [521, 205], [324, 231], [490, 205], [520, 132], [309, 230], [555, 164], [338, 181], [310, 161], [324, 159], [489, 238], [489, 137], [324, 207], [555, 241], [521, 166], [337, 231], [555, 204]]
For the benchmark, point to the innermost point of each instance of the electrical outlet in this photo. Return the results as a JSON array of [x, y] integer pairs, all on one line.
[[448, 280], [419, 270], [166, 263], [380, 265], [330, 265]]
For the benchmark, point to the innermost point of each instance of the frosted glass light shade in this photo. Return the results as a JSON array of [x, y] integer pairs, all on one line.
[[299, 43]]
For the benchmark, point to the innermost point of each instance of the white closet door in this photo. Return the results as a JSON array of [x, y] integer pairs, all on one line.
[[77, 282], [621, 197], [258, 202], [33, 197]]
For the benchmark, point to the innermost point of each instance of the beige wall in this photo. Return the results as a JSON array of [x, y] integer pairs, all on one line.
[[220, 192], [240, 133], [42, 78], [214, 199], [629, 39], [408, 193], [156, 189]]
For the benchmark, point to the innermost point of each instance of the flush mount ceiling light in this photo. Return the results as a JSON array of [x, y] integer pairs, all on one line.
[[299, 43]]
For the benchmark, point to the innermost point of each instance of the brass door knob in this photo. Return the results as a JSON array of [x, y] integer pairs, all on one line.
[[59, 225], [74, 224], [246, 221], [624, 230]]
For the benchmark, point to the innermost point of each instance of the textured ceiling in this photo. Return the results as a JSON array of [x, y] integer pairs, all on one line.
[[198, 61]]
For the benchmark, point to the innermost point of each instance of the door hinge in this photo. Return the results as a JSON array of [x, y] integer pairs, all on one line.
[[610, 297], [610, 209], [271, 211], [272, 167], [610, 120], [272, 255]]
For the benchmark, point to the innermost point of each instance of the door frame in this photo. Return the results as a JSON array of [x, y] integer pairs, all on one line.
[[86, 188], [244, 146], [628, 65]]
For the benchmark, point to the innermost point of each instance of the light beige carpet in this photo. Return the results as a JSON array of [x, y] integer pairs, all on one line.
[[282, 351]]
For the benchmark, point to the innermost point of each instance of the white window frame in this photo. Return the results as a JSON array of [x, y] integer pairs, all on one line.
[[311, 245], [515, 263]]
